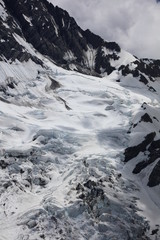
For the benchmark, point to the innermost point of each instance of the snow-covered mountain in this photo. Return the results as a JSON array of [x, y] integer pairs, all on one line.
[[79, 133]]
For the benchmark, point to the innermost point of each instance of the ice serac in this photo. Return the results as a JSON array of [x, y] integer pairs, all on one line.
[[79, 150]]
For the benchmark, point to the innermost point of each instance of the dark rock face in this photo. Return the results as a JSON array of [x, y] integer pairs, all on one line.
[[10, 48], [148, 161], [154, 178], [154, 154], [132, 152], [104, 62], [150, 149], [146, 70], [54, 33], [146, 118], [125, 69], [143, 79], [148, 67]]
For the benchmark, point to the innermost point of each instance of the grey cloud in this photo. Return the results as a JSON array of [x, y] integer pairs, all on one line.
[[133, 24]]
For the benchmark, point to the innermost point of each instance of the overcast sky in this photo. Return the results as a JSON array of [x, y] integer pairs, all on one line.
[[134, 24]]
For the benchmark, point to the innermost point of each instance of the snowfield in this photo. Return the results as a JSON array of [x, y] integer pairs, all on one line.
[[62, 138]]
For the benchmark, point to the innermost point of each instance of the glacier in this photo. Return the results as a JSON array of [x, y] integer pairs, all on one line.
[[62, 156], [79, 153]]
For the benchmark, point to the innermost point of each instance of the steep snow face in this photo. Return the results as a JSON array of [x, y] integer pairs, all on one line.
[[62, 136]]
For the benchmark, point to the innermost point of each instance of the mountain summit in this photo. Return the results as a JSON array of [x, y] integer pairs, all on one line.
[[79, 133]]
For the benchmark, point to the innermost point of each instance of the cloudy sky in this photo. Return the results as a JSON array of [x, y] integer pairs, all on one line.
[[134, 24]]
